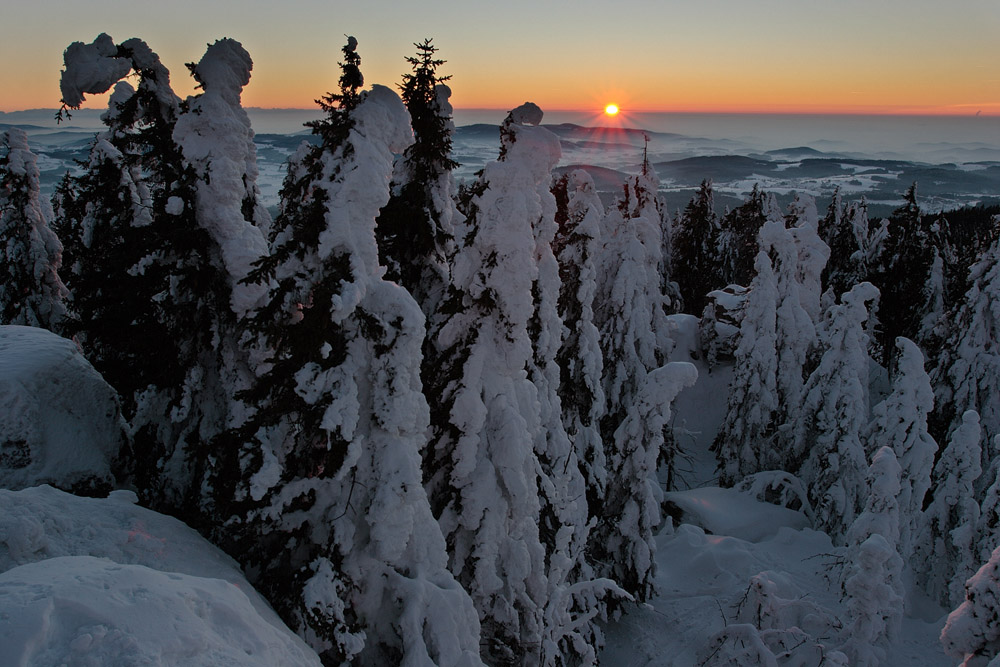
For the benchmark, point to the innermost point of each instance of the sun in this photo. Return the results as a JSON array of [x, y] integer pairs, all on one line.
[[611, 109]]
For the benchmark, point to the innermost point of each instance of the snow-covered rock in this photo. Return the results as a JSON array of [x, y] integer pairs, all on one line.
[[61, 423], [88, 581], [81, 610]]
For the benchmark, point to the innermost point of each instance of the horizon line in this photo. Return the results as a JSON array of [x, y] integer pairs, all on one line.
[[979, 113]]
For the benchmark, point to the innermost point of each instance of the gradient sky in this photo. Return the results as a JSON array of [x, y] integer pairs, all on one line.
[[850, 56]]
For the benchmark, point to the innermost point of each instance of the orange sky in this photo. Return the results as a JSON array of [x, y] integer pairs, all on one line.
[[796, 56]]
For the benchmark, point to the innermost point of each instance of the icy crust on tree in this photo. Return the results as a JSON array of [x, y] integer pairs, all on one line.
[[84, 610], [94, 68], [31, 292], [634, 339], [528, 113], [946, 553], [353, 182], [900, 422], [972, 631], [61, 424], [91, 69], [215, 138], [798, 256], [834, 412]]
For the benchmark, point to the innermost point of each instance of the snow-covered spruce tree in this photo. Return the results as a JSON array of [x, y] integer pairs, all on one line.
[[972, 631], [485, 468], [904, 267], [31, 292], [629, 312], [415, 228], [844, 229], [967, 375], [186, 186], [872, 586], [798, 255], [834, 413], [813, 253], [576, 246], [115, 315], [66, 215], [900, 422], [695, 250], [738, 230], [988, 528], [775, 336], [869, 598], [625, 547], [946, 549], [564, 518], [322, 484], [745, 442], [634, 341]]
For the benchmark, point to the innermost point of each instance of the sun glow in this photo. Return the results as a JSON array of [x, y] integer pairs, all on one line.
[[611, 109]]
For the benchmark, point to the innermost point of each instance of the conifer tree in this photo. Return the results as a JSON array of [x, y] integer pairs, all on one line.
[[844, 228], [967, 375], [31, 292], [775, 336], [115, 325], [490, 465], [576, 246], [900, 422], [946, 551], [872, 582], [834, 412], [183, 243], [629, 314], [988, 529], [745, 443], [695, 250], [812, 253], [738, 237], [321, 485], [972, 631], [630, 318], [564, 517], [906, 260], [415, 228], [66, 215]]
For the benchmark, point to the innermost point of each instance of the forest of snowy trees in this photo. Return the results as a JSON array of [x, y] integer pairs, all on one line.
[[426, 417]]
